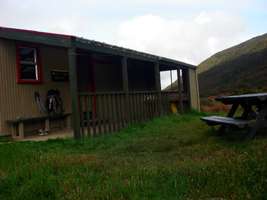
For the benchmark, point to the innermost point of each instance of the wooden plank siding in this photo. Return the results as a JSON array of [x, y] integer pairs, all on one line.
[[17, 100]]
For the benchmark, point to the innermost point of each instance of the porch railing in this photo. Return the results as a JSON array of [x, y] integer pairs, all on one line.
[[111, 111]]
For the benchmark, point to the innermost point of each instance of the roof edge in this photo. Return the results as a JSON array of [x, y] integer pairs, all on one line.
[[42, 33], [90, 43]]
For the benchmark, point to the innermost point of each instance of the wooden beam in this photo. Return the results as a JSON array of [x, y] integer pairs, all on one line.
[[186, 81], [124, 63], [186, 84], [21, 130], [171, 78], [125, 83], [74, 93], [180, 90], [158, 87]]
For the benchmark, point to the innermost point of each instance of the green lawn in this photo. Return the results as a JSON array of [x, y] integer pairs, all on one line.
[[176, 157]]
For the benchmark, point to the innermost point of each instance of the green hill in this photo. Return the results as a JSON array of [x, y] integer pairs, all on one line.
[[242, 68]]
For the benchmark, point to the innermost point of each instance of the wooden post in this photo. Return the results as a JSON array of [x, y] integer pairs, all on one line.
[[186, 82], [125, 74], [68, 122], [171, 78], [180, 89], [14, 131], [73, 92], [47, 125], [21, 130], [158, 88], [125, 83]]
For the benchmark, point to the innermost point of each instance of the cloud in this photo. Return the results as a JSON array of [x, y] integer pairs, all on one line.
[[187, 30], [190, 40]]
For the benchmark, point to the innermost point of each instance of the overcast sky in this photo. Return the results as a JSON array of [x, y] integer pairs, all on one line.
[[187, 30]]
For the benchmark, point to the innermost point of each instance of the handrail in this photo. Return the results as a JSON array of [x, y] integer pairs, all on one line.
[[115, 93]]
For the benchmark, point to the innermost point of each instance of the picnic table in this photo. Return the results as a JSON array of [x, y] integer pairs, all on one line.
[[253, 116]]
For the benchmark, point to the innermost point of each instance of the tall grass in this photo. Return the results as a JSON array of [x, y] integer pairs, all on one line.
[[175, 157]]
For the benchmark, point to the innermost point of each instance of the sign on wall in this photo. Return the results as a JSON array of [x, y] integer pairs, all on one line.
[[59, 75]]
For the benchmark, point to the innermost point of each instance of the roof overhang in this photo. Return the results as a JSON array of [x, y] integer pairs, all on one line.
[[68, 41]]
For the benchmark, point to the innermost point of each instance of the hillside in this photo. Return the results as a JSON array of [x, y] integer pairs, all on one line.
[[241, 68], [238, 69]]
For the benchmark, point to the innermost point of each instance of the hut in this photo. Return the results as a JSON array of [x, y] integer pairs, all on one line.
[[50, 81]]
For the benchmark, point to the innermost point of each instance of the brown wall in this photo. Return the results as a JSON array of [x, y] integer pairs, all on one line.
[[84, 73], [108, 77], [102, 73], [17, 100], [141, 76]]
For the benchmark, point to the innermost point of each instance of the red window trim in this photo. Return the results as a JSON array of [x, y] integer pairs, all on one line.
[[39, 66]]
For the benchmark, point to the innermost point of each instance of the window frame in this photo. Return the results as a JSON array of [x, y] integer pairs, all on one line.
[[37, 63]]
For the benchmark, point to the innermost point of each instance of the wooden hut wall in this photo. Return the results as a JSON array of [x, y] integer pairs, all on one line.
[[17, 100]]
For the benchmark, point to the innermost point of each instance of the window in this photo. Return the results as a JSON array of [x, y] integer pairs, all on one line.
[[28, 66]]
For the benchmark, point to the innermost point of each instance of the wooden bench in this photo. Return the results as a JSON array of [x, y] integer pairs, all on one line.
[[226, 121], [17, 125]]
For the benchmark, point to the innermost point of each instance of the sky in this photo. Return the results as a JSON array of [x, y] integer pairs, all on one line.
[[186, 30]]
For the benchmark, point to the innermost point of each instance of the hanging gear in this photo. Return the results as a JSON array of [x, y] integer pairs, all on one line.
[[39, 102], [54, 104]]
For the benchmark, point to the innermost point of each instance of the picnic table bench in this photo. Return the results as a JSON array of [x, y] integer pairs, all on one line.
[[253, 116]]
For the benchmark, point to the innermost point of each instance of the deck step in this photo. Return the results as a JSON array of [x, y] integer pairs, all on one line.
[[218, 120]]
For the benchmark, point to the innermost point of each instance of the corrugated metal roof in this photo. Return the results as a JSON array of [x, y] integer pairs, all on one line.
[[65, 41], [125, 51]]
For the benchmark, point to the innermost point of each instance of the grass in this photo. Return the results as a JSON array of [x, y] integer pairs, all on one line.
[[176, 157]]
